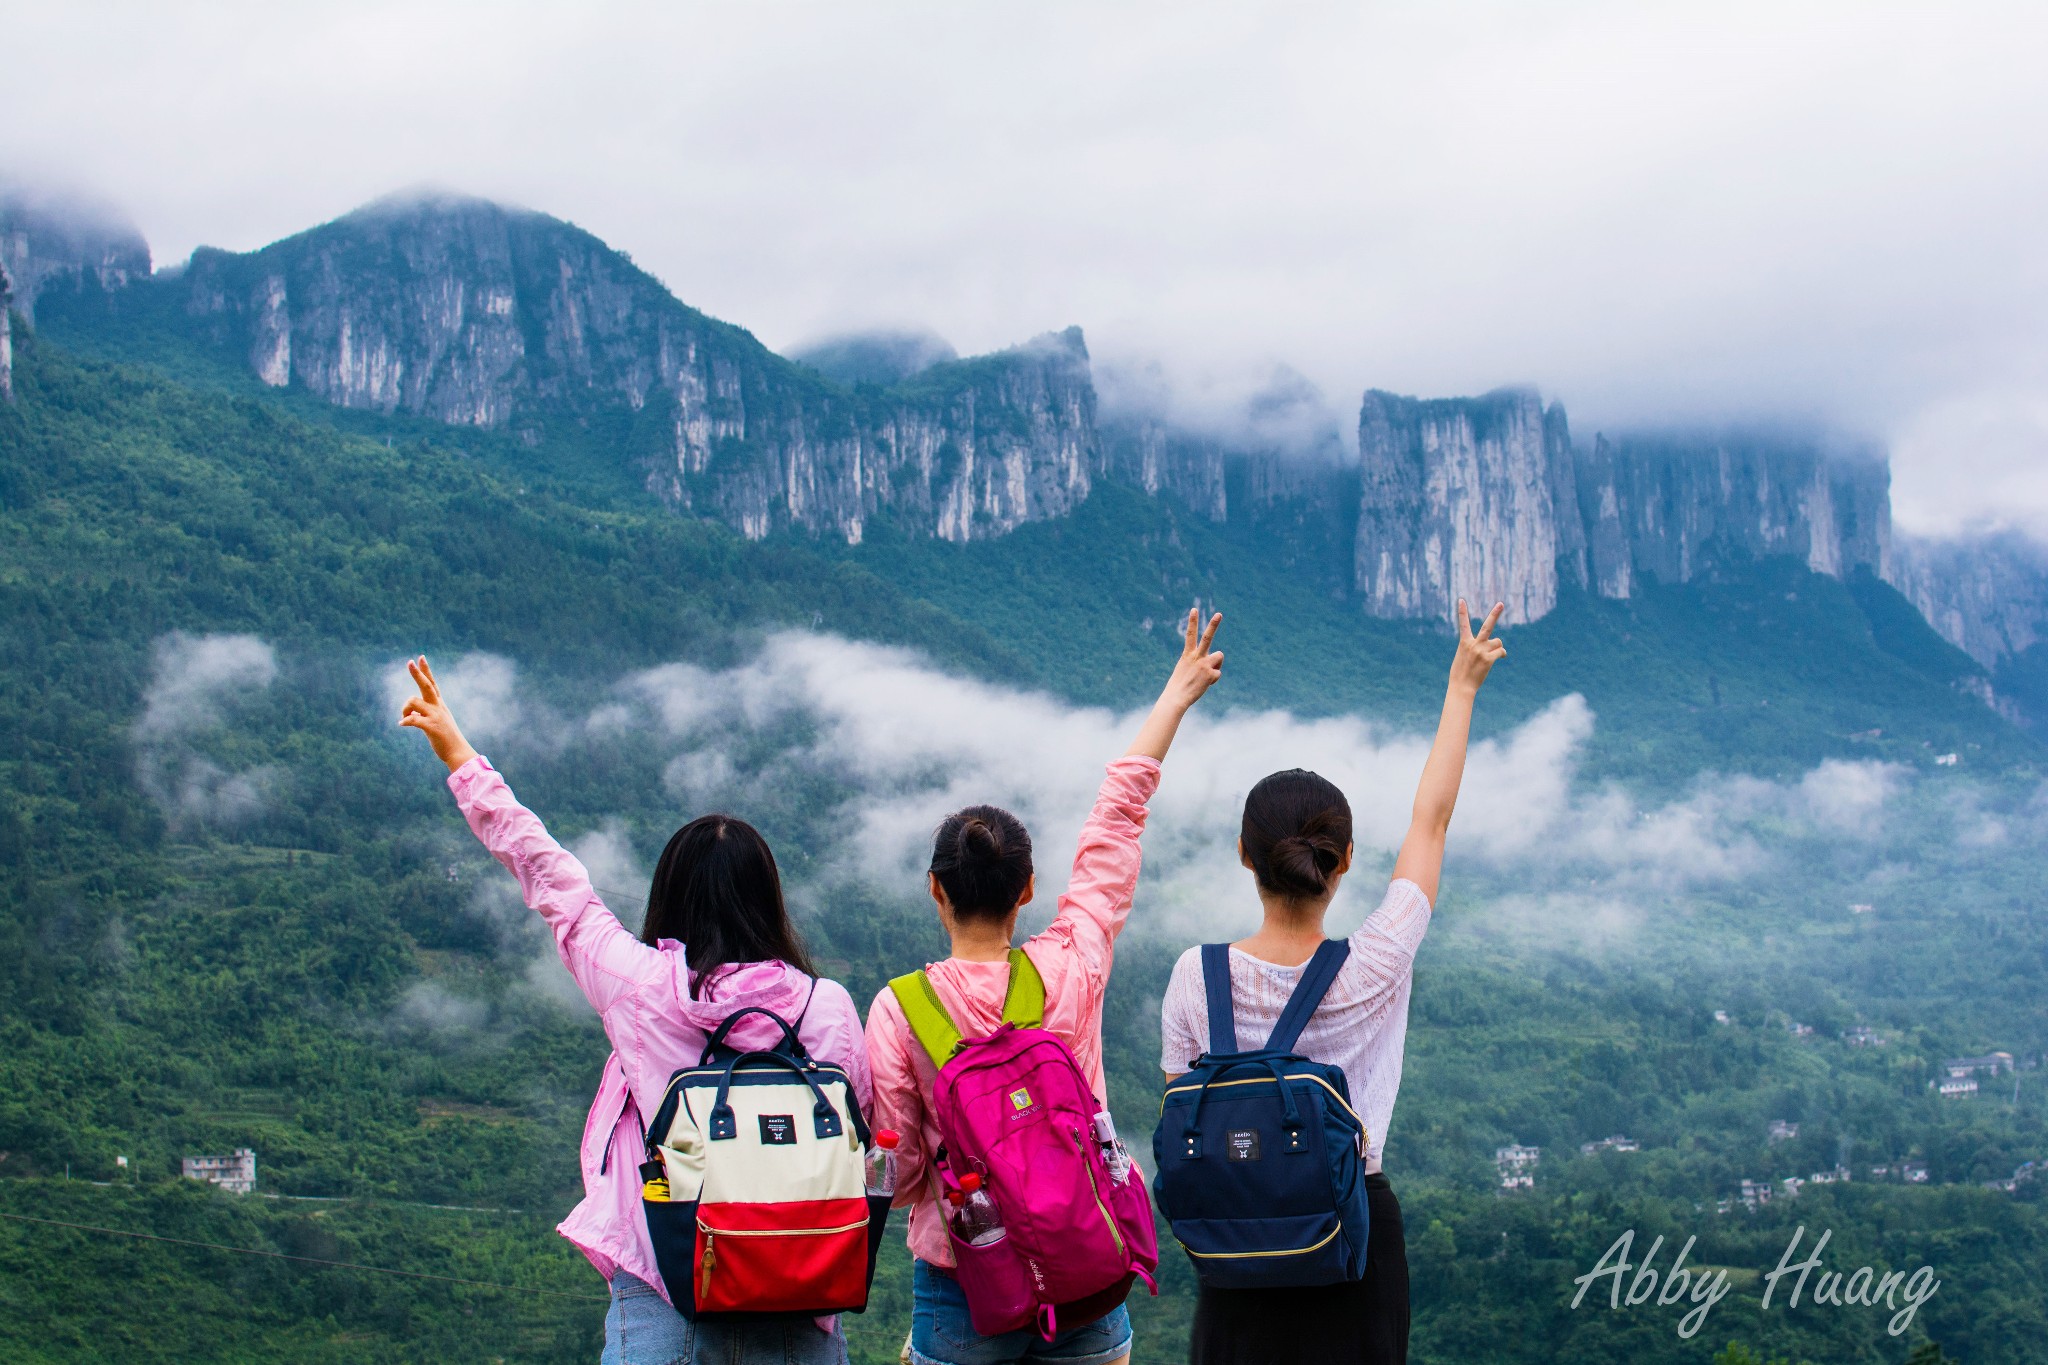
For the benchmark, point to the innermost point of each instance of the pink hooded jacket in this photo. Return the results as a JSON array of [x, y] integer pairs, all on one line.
[[1073, 955], [642, 994]]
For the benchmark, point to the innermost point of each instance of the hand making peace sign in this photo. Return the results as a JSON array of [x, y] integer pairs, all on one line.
[[1477, 654], [429, 714]]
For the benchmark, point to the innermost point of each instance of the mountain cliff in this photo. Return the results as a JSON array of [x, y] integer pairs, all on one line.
[[56, 242], [1487, 497], [469, 312], [51, 242], [473, 313]]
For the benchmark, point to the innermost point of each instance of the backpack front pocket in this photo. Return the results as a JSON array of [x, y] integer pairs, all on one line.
[[999, 1289], [809, 1256], [1250, 1253]]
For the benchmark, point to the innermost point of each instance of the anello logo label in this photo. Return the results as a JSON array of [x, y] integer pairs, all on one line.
[[1242, 1144], [778, 1130]]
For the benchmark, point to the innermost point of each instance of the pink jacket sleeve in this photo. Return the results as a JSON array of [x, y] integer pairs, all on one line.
[[1105, 874], [899, 1101], [607, 961]]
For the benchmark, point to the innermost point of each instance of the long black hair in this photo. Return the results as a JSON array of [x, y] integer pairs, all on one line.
[[982, 858], [716, 888], [1297, 826]]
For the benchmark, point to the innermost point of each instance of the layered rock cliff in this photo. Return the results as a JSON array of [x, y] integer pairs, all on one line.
[[56, 242], [6, 338], [1488, 498], [474, 313], [1987, 595], [1466, 496]]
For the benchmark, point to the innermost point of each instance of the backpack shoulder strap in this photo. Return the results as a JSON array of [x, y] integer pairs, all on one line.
[[1308, 994], [926, 1013], [1024, 999], [1216, 984], [1023, 1005]]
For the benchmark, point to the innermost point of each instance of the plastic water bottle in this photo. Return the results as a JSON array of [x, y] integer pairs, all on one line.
[[976, 1220], [881, 1163], [1113, 1152]]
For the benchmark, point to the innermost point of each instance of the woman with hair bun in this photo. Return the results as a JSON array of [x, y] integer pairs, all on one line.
[[1296, 840], [981, 876]]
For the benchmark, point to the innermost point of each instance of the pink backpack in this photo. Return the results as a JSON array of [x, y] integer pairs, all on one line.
[[1016, 1109]]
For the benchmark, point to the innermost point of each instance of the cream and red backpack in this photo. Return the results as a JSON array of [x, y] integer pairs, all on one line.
[[754, 1185]]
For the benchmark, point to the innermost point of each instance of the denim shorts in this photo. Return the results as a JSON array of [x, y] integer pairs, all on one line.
[[641, 1329], [941, 1333]]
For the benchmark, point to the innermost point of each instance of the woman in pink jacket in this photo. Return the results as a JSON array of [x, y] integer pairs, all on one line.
[[717, 940], [980, 877]]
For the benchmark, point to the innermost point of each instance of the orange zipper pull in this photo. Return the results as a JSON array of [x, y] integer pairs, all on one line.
[[710, 1260]]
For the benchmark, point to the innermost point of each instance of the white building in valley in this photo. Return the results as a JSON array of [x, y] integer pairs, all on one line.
[[1617, 1143], [1517, 1165], [235, 1173]]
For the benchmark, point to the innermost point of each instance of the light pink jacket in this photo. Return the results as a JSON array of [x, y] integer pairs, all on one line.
[[643, 996], [1073, 955]]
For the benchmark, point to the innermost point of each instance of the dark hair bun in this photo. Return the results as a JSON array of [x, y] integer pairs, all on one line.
[[1301, 864], [1297, 827], [980, 841], [982, 858]]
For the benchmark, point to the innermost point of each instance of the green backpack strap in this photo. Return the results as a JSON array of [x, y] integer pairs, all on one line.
[[1024, 1002], [927, 1016], [1023, 1005]]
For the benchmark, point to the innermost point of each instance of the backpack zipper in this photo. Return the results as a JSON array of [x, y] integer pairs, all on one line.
[[1095, 1192], [710, 1232], [1283, 1251]]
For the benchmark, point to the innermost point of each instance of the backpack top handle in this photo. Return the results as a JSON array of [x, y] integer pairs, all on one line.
[[722, 1124], [1301, 1006], [790, 1042]]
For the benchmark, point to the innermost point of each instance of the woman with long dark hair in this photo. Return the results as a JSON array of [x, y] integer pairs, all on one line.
[[1296, 841], [717, 939]]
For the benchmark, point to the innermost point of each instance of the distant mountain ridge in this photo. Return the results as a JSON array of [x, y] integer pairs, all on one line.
[[470, 312]]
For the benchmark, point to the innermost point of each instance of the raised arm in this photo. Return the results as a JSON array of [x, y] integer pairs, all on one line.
[[1107, 859], [1422, 853], [1194, 673], [606, 960]]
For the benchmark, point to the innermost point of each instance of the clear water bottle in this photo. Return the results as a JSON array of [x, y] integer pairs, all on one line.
[[881, 1163], [1114, 1153], [976, 1220]]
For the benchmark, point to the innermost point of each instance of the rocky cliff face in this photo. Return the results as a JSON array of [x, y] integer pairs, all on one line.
[[1461, 496], [473, 313], [50, 242], [1986, 595], [1489, 499], [6, 338], [1274, 462]]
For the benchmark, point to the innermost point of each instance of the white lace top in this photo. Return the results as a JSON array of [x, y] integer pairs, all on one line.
[[1362, 1025]]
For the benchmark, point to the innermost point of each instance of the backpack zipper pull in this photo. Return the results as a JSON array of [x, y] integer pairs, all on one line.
[[710, 1260]]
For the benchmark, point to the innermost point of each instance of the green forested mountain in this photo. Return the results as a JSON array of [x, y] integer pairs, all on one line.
[[238, 910]]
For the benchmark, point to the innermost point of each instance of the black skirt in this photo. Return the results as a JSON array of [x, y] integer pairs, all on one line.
[[1363, 1323]]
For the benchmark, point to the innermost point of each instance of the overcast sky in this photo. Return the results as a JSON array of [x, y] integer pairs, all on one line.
[[1653, 212]]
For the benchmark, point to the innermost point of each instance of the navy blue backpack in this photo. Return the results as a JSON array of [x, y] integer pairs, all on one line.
[[1261, 1157]]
